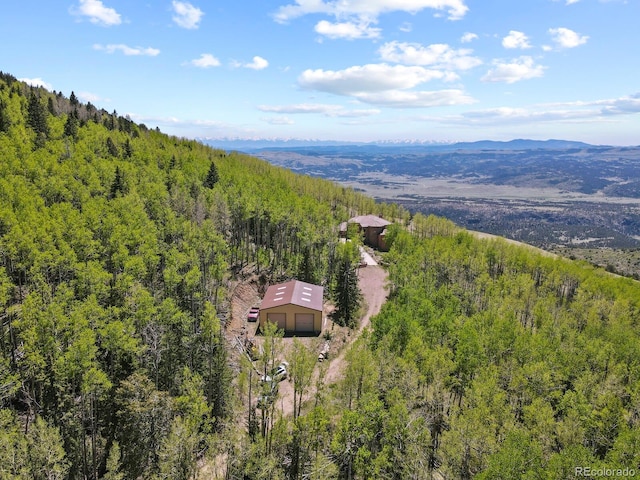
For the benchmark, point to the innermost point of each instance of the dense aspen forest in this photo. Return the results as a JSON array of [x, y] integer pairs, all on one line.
[[517, 364], [119, 248]]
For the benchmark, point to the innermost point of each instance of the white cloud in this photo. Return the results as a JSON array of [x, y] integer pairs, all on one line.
[[348, 30], [384, 85], [206, 60], [301, 108], [571, 2], [569, 112], [621, 106], [438, 55], [357, 113], [516, 39], [566, 38], [37, 82], [522, 68], [419, 99], [90, 97], [203, 128], [126, 50], [368, 8], [318, 108], [512, 116], [278, 120], [629, 104], [97, 13], [186, 15], [367, 78], [502, 112], [468, 37], [258, 63]]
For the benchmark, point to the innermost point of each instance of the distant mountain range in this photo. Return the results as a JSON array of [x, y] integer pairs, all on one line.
[[250, 146]]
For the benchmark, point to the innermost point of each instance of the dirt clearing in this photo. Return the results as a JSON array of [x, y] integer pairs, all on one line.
[[373, 285]]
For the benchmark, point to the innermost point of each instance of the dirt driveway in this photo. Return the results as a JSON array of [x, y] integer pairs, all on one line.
[[372, 280], [373, 285]]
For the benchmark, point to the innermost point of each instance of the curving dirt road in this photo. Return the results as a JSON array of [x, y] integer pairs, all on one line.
[[372, 281], [373, 285]]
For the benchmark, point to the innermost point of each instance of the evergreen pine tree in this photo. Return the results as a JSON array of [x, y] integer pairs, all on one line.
[[212, 176], [118, 184], [71, 125], [307, 269], [5, 121], [112, 148], [347, 293], [37, 115], [51, 107], [128, 149], [109, 120]]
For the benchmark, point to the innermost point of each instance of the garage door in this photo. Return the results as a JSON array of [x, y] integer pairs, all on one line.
[[304, 322], [278, 318]]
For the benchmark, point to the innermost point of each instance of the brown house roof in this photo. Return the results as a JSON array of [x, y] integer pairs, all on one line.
[[366, 221], [296, 292]]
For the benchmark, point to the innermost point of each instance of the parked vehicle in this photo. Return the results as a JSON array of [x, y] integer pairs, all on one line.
[[253, 315], [278, 374], [324, 353]]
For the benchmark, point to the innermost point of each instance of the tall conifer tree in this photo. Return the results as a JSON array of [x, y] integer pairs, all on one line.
[[37, 115], [212, 176]]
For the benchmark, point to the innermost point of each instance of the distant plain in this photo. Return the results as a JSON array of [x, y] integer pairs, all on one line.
[[574, 199]]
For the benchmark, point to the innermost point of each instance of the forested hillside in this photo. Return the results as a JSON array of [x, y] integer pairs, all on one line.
[[119, 246], [488, 360], [519, 365]]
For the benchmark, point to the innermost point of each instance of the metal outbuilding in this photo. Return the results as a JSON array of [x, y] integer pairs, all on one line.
[[295, 306]]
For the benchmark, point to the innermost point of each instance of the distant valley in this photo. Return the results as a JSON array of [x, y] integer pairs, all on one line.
[[552, 194]]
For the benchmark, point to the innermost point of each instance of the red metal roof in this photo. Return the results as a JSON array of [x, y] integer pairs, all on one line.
[[296, 292]]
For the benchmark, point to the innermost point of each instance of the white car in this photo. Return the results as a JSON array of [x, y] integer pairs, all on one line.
[[278, 374]]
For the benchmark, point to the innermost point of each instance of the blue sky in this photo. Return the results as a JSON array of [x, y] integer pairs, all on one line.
[[361, 70]]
